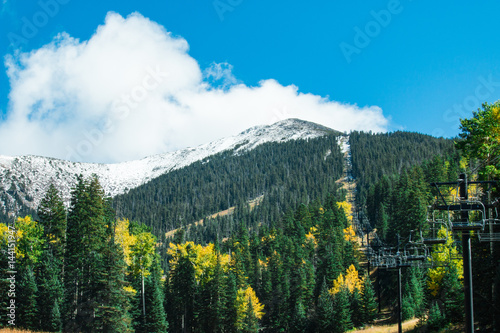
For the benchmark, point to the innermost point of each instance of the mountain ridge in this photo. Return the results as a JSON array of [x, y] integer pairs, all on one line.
[[24, 179]]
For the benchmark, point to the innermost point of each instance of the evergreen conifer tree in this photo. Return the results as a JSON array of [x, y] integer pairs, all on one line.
[[50, 292], [112, 312], [52, 216], [299, 320], [155, 312], [326, 322], [86, 240], [453, 295], [26, 298], [368, 303], [342, 310]]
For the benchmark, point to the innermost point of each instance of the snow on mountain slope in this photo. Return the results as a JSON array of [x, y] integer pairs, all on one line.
[[26, 178]]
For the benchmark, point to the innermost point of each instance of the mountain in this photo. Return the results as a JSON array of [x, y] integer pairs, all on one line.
[[24, 179]]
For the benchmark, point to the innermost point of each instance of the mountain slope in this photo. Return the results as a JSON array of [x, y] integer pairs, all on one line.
[[24, 179], [286, 174]]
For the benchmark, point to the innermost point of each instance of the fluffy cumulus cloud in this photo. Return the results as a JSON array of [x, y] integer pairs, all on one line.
[[133, 90]]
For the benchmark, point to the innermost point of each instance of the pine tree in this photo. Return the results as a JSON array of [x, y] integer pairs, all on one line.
[[112, 313], [181, 296], [435, 320], [55, 321], [368, 303], [52, 216], [453, 295], [342, 310], [26, 298], [251, 323], [155, 312], [86, 239], [356, 308], [325, 311], [299, 319], [230, 303], [50, 292]]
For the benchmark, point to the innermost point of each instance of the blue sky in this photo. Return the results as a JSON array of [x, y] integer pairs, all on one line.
[[417, 65]]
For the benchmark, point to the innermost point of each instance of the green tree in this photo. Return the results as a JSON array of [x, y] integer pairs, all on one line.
[[155, 312], [26, 298], [368, 302], [181, 295], [326, 320], [481, 138], [112, 312], [413, 294], [50, 292], [299, 319], [435, 320], [52, 216], [142, 257], [86, 240], [453, 296], [342, 310]]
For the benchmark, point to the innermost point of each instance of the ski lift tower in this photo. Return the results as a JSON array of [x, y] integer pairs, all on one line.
[[465, 225]]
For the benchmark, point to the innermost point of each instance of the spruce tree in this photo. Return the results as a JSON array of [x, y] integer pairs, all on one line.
[[368, 303], [230, 316], [251, 323], [453, 296], [342, 310], [325, 320], [86, 240], [356, 308], [155, 312], [50, 292], [52, 216], [299, 319], [435, 320], [26, 298], [112, 313], [181, 296], [55, 321], [213, 300]]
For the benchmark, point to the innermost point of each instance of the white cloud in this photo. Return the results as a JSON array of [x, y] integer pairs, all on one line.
[[132, 90]]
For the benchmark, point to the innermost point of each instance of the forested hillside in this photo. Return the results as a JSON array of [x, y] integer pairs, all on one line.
[[285, 174], [288, 262], [375, 155]]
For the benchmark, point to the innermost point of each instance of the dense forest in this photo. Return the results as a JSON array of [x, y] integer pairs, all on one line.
[[376, 155], [290, 261], [86, 271], [286, 174]]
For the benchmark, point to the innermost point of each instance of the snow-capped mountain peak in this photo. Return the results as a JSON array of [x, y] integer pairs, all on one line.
[[26, 178]]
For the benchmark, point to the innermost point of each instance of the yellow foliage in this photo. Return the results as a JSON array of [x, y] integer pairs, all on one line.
[[125, 239], [244, 298], [270, 237], [321, 210], [4, 233], [130, 290], [441, 256], [495, 111], [310, 237], [349, 234], [347, 207], [463, 163], [351, 281], [142, 253], [203, 258], [28, 236]]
